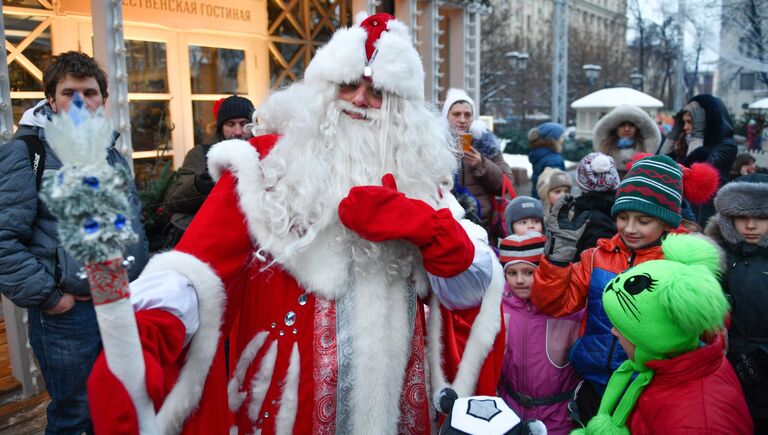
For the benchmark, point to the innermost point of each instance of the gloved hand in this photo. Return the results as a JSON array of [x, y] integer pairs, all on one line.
[[204, 183], [563, 232], [698, 118], [380, 213]]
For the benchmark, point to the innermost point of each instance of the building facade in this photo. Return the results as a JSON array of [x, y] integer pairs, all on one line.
[[596, 35], [741, 78]]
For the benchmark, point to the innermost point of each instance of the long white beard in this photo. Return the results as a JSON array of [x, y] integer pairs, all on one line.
[[313, 167]]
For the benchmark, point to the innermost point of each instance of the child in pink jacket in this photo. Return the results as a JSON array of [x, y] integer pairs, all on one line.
[[537, 381]]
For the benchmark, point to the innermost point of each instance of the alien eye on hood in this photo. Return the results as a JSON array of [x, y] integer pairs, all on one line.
[[638, 283]]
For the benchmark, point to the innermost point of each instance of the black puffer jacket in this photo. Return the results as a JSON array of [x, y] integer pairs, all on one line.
[[719, 148], [746, 283]]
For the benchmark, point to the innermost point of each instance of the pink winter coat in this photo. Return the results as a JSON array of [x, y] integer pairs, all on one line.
[[536, 362]]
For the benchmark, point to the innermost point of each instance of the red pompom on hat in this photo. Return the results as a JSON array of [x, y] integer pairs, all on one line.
[[700, 181], [216, 107]]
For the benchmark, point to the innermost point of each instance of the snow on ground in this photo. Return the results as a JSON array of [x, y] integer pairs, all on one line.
[[521, 161]]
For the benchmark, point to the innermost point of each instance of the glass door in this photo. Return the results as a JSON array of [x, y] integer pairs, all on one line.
[[217, 68]]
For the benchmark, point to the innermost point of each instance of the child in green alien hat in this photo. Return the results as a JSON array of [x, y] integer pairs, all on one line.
[[673, 382]]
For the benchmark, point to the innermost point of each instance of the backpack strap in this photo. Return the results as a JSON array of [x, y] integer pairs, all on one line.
[[36, 150]]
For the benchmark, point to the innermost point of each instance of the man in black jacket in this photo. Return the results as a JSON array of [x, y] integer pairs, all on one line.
[[193, 183]]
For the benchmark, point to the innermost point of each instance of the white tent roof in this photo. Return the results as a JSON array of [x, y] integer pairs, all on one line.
[[759, 104], [613, 97]]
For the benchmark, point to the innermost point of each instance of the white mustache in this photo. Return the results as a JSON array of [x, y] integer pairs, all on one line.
[[369, 113]]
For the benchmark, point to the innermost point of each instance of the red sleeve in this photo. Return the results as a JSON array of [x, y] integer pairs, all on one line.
[[162, 340], [561, 290], [218, 236]]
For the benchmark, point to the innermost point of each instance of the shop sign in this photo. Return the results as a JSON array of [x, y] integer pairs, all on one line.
[[235, 16]]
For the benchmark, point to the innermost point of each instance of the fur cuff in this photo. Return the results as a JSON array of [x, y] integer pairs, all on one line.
[[479, 343], [185, 396]]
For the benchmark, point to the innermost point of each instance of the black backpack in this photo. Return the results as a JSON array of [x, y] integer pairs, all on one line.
[[36, 150]]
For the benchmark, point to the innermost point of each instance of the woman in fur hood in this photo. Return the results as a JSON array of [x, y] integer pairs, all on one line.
[[741, 228], [623, 132]]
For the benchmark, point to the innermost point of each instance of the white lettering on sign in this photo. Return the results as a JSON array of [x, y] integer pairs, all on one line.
[[192, 8]]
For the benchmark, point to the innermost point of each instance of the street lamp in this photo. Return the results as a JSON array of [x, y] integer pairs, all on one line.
[[592, 72], [636, 79], [518, 61]]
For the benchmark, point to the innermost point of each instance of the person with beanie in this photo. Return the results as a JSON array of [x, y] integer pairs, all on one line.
[[524, 214], [647, 207], [598, 179], [703, 133], [546, 145], [623, 132], [537, 381], [193, 182], [551, 185], [740, 227], [667, 314], [482, 170]]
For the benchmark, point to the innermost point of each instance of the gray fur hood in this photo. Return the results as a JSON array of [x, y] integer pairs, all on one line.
[[603, 142], [745, 196]]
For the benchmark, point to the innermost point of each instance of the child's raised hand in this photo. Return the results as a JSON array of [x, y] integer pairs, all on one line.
[[564, 233]]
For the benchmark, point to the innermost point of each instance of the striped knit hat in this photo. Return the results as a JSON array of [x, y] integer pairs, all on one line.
[[653, 186], [527, 248]]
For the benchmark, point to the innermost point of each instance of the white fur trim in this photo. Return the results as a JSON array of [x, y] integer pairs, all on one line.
[[122, 349], [223, 153], [236, 397], [379, 381], [289, 403], [481, 338], [185, 395], [396, 68], [322, 269], [261, 381], [626, 113]]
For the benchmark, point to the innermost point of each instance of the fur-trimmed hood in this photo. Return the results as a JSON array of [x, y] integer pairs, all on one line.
[[604, 140]]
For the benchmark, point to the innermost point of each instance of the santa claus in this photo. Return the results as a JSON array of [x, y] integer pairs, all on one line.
[[315, 254]]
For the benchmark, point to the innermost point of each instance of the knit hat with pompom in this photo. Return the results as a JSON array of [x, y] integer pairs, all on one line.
[[597, 173]]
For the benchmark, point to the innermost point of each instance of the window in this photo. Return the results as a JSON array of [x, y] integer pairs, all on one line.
[[747, 82], [148, 95], [214, 73]]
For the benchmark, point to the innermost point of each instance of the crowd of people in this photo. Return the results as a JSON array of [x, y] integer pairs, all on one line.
[[348, 259]]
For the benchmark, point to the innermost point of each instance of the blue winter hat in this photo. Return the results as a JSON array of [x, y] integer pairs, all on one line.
[[551, 130]]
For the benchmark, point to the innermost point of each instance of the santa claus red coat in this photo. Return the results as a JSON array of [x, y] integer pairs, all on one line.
[[320, 342]]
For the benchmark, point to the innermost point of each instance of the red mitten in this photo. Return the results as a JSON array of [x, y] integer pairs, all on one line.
[[380, 213], [162, 340]]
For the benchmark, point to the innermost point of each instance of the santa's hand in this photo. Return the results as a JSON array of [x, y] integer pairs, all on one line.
[[380, 213]]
